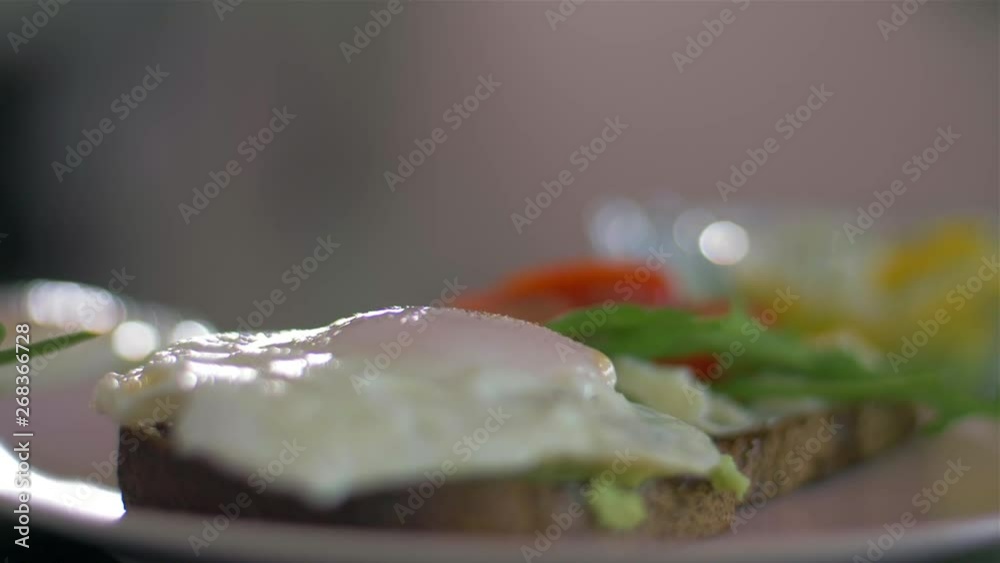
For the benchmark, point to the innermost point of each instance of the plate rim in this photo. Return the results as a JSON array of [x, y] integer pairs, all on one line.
[[145, 530]]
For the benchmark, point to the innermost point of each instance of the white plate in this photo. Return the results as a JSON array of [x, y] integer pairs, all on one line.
[[830, 521]]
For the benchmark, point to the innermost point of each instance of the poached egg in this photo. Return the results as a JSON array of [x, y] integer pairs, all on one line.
[[397, 397]]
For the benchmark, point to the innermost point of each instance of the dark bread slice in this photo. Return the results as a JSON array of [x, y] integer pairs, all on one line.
[[790, 453]]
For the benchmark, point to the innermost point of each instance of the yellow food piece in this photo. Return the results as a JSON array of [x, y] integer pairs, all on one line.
[[933, 254], [903, 284]]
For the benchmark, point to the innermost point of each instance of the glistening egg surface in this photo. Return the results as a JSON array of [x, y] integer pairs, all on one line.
[[382, 398]]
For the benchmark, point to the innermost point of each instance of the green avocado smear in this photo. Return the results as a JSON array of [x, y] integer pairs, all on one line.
[[615, 498], [779, 364], [620, 507]]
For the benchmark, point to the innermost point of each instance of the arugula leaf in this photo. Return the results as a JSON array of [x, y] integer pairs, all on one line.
[[674, 333], [770, 363], [9, 355]]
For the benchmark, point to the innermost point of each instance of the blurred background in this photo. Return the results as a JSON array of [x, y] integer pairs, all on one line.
[[214, 74], [354, 155]]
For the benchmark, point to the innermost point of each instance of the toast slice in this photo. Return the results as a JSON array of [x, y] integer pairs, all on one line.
[[778, 458]]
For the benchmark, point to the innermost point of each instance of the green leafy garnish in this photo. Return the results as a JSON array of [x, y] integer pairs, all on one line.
[[9, 355], [765, 362]]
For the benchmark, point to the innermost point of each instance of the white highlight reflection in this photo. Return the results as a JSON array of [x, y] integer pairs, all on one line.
[[724, 243], [188, 329], [134, 340], [620, 227], [67, 304], [75, 496]]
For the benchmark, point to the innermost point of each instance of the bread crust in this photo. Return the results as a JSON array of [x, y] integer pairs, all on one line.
[[777, 459]]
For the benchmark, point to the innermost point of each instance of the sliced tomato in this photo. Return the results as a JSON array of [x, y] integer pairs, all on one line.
[[546, 292], [541, 294], [589, 282]]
